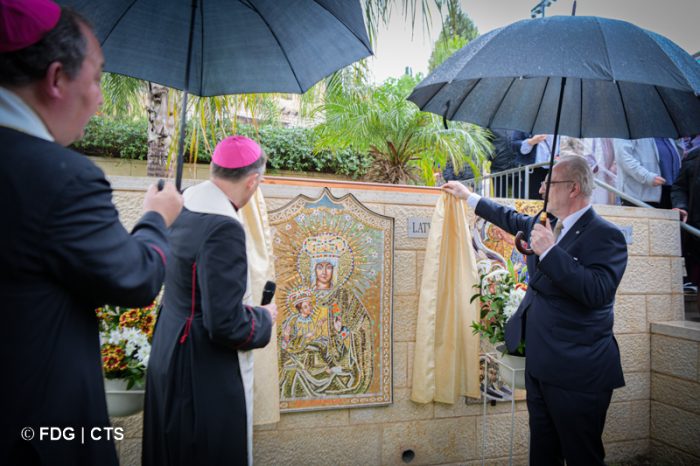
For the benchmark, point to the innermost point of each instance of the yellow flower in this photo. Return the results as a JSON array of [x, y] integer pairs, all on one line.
[[148, 324], [113, 358], [130, 318]]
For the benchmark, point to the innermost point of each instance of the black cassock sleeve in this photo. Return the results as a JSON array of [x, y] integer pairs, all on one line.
[[222, 274], [90, 253]]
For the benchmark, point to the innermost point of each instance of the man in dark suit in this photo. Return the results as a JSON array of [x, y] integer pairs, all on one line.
[[506, 147], [566, 317], [64, 251]]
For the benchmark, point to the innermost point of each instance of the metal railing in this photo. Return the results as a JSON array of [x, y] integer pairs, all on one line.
[[515, 184]]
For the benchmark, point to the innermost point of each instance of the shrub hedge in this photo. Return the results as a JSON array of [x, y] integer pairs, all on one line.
[[287, 148], [105, 137]]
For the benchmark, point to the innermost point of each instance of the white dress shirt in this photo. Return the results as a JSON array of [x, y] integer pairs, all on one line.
[[16, 114]]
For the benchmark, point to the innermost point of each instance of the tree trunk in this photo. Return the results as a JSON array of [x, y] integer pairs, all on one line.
[[161, 124]]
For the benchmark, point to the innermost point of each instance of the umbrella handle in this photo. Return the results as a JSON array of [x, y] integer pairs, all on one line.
[[520, 239], [520, 244]]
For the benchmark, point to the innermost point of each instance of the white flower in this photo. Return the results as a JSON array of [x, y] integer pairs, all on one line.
[[515, 297], [494, 276], [135, 342]]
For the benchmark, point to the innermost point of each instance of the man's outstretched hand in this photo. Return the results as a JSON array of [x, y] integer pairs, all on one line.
[[457, 189]]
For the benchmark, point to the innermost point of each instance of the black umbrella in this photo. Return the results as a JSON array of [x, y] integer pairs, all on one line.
[[210, 47], [578, 76]]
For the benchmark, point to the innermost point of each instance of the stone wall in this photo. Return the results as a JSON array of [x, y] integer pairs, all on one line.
[[675, 393], [651, 291]]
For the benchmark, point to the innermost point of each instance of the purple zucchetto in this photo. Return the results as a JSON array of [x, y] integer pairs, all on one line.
[[236, 152], [25, 22]]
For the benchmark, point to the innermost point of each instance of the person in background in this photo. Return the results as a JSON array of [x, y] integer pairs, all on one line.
[[506, 145], [600, 156], [600, 153], [64, 251], [505, 151], [449, 173], [199, 386], [688, 143], [646, 169], [536, 149], [566, 317], [685, 198]]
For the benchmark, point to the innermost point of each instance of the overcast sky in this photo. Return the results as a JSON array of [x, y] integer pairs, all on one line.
[[679, 20]]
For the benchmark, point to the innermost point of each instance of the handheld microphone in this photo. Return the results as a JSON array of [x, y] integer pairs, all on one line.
[[268, 292]]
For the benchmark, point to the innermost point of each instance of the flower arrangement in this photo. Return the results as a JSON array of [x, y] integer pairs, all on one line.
[[500, 292], [125, 339]]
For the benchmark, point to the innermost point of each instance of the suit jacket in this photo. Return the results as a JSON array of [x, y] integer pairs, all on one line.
[[506, 148], [566, 317], [64, 253]]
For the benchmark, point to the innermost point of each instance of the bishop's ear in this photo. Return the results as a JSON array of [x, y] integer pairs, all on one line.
[[252, 180], [54, 79]]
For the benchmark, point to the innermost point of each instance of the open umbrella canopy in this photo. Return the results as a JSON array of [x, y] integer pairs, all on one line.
[[219, 47], [238, 46], [622, 81]]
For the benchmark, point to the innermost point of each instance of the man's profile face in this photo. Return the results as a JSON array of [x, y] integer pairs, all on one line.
[[559, 191], [83, 93]]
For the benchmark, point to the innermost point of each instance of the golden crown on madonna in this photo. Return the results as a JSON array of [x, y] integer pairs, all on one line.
[[325, 245]]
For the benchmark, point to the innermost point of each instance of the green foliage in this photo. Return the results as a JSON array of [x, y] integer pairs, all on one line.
[[123, 138], [455, 22], [405, 143], [457, 31], [286, 148], [123, 96], [444, 50], [293, 149]]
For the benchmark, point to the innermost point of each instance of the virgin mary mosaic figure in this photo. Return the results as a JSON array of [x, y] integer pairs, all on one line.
[[333, 292]]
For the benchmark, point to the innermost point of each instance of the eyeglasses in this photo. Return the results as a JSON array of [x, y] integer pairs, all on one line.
[[544, 183]]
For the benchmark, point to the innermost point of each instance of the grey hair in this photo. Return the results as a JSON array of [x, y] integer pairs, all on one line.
[[236, 174], [578, 170], [65, 43]]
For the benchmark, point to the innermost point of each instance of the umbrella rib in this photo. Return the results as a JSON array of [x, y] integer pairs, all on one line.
[[539, 105], [605, 45], [433, 96], [461, 101], [624, 109], [201, 51], [670, 114], [656, 44], [665, 55], [346, 27], [580, 115], [493, 115], [284, 52], [114, 25]]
